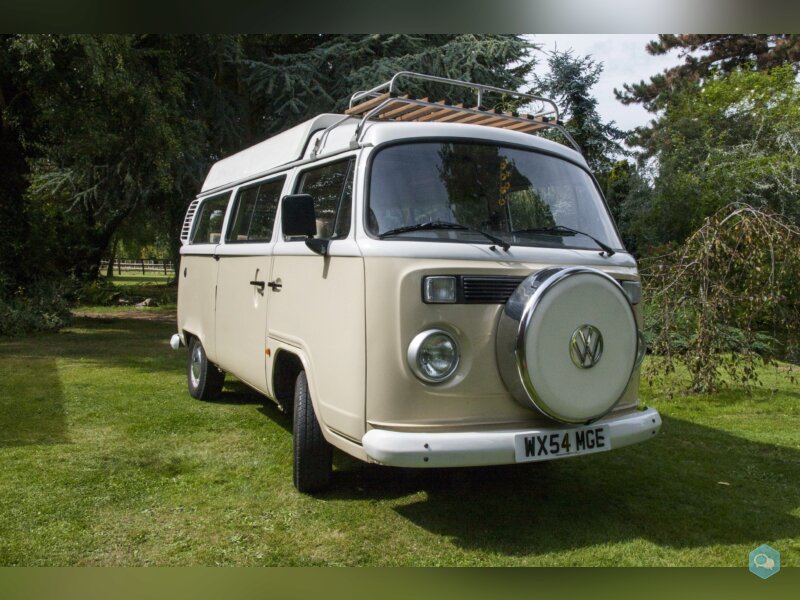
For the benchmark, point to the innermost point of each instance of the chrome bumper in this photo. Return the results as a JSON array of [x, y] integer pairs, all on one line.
[[478, 448]]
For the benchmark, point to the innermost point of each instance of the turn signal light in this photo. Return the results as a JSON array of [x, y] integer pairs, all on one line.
[[439, 289]]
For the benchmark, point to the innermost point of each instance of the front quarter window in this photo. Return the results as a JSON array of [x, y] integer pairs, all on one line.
[[521, 196], [209, 219], [331, 186]]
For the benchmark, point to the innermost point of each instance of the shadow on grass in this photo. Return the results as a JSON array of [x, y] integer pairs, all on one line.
[[237, 393], [29, 415], [693, 486]]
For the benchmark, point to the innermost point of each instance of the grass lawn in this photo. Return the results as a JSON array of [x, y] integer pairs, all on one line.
[[106, 460]]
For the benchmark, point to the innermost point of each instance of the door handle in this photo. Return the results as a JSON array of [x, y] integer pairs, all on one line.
[[275, 285], [258, 284]]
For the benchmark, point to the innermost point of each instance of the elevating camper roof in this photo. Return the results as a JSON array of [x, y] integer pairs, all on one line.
[[278, 150]]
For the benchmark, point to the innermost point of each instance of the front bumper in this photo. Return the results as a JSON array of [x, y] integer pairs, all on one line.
[[478, 448]]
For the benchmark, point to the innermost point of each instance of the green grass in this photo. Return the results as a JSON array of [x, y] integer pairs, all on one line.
[[132, 278], [106, 460], [101, 298]]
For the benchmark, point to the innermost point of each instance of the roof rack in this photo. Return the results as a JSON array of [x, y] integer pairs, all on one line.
[[385, 103]]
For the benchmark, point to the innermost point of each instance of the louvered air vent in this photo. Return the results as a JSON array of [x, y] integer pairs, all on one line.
[[187, 222], [482, 289]]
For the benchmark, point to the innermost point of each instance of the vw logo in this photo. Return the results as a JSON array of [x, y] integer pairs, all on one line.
[[586, 346]]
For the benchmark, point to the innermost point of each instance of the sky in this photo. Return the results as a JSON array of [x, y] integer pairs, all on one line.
[[625, 60]]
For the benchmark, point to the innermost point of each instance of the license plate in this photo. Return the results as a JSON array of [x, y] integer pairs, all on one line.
[[556, 444]]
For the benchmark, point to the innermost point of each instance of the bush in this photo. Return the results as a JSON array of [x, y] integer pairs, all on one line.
[[727, 299], [42, 306], [96, 293]]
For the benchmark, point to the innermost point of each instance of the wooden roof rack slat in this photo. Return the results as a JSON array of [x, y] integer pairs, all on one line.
[[359, 109], [515, 125], [389, 106], [384, 103], [420, 112], [476, 119], [529, 127], [404, 107], [454, 117], [439, 114], [493, 121]]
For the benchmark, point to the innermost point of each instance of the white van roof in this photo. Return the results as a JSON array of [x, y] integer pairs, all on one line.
[[278, 150]]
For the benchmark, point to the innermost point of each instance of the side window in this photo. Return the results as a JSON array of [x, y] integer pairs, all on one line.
[[332, 188], [208, 221], [254, 215]]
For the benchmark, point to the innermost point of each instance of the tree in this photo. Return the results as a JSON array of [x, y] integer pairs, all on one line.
[[718, 53], [569, 81], [14, 217], [736, 138], [728, 298], [106, 127]]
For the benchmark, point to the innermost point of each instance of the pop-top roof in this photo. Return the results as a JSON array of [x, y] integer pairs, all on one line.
[[278, 150]]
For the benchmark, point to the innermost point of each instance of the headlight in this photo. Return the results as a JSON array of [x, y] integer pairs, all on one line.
[[433, 355]]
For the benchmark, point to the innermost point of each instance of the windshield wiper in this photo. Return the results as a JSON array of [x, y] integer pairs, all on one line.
[[445, 225], [564, 230]]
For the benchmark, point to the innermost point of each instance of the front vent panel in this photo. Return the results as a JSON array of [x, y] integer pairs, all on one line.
[[487, 289]]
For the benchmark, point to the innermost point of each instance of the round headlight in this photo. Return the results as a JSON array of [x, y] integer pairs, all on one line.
[[433, 355]]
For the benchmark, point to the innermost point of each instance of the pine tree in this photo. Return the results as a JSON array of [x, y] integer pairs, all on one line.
[[705, 54], [569, 81], [290, 80]]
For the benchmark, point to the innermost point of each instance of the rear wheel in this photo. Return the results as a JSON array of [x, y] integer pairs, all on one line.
[[203, 377], [313, 455]]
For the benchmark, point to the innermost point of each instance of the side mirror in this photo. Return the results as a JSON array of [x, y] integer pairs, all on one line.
[[298, 219], [297, 216]]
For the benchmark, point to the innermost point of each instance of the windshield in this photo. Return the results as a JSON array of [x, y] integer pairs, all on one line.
[[520, 196]]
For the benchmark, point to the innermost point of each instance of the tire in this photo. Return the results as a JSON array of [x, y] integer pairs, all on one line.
[[202, 376], [313, 455]]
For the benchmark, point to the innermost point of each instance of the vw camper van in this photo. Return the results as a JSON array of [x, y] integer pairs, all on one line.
[[420, 283]]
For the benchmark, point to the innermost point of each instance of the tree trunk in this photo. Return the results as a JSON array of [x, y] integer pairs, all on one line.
[[111, 259]]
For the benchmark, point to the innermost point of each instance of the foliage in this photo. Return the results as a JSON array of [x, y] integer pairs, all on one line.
[[317, 74], [727, 299], [705, 56], [626, 191], [102, 133], [40, 307], [734, 139], [123, 291], [569, 82]]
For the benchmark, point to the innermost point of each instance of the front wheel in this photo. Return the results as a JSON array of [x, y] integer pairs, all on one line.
[[204, 378], [313, 455]]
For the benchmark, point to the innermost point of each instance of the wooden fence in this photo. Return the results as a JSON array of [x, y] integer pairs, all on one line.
[[145, 266]]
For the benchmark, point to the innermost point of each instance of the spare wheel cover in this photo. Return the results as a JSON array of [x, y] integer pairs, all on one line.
[[566, 343]]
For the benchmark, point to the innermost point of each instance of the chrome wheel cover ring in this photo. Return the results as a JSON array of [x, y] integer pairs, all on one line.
[[513, 326]]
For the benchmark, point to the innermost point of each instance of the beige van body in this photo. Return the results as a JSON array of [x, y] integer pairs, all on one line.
[[266, 308]]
